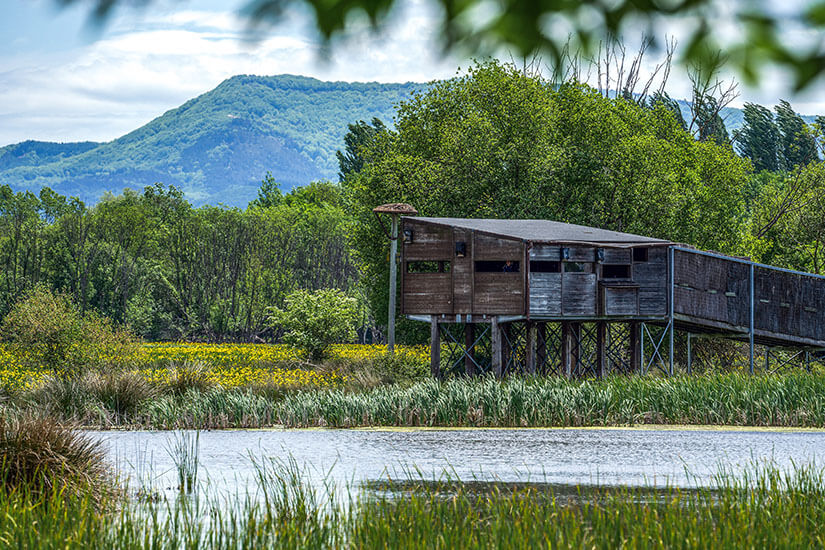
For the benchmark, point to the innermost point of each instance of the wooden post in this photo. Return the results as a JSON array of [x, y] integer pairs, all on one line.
[[567, 349], [393, 269], [495, 345], [541, 345], [469, 340], [601, 349], [506, 346], [531, 348], [635, 347], [435, 348]]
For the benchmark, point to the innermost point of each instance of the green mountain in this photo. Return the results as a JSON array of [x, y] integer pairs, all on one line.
[[216, 147]]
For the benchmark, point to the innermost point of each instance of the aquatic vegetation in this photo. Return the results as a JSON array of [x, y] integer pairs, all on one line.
[[725, 399], [765, 508]]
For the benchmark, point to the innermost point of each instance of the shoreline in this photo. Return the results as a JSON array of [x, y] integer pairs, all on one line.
[[634, 427]]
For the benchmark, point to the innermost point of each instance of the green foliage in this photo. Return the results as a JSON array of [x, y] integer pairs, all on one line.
[[724, 399], [315, 320], [216, 146], [514, 25], [154, 263], [758, 139], [47, 331], [269, 194], [358, 137], [499, 143]]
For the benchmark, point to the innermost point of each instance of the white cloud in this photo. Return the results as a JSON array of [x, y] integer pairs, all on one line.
[[142, 65], [136, 72]]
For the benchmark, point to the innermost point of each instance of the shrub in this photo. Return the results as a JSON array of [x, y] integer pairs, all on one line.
[[189, 375], [38, 453], [315, 320], [121, 392], [46, 330]]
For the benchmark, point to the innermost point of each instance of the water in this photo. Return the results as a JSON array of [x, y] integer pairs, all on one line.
[[685, 458]]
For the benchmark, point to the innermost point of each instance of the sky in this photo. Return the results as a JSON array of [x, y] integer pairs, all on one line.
[[63, 78]]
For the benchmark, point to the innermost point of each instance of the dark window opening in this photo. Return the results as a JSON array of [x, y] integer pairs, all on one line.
[[640, 254], [506, 266], [615, 272], [578, 267], [460, 249], [545, 267], [428, 267]]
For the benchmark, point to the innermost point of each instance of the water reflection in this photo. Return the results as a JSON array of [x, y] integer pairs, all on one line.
[[555, 457]]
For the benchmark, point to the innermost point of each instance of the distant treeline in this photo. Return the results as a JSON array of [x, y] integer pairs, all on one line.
[[497, 142], [167, 270]]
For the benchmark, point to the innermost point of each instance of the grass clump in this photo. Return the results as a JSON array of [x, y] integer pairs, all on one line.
[[40, 455]]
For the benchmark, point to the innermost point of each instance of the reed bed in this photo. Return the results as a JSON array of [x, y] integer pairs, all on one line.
[[766, 508], [793, 400]]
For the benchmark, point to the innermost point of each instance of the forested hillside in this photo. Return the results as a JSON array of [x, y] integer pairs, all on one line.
[[216, 147]]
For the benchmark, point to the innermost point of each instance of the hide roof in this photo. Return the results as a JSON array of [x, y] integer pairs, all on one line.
[[546, 231]]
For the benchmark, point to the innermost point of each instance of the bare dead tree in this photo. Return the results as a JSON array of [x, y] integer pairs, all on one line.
[[710, 94]]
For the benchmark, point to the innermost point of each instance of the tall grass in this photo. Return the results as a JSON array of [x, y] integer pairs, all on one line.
[[789, 400], [765, 509], [38, 454], [725, 399]]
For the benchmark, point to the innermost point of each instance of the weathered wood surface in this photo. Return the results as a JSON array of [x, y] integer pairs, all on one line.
[[620, 300], [717, 290], [578, 294], [545, 293], [491, 248], [651, 276], [498, 293], [617, 255], [428, 293], [430, 242], [462, 271]]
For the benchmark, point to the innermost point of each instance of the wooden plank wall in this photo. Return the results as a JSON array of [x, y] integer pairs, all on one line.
[[711, 288], [498, 293], [427, 293], [462, 271], [545, 288], [787, 303], [716, 289], [651, 276]]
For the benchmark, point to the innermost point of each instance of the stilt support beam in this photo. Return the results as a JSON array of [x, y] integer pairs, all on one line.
[[496, 347], [435, 348]]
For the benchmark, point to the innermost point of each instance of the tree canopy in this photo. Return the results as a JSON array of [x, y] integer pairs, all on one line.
[[528, 27], [499, 143]]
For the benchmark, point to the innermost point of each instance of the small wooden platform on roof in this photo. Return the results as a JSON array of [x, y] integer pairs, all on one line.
[[457, 270]]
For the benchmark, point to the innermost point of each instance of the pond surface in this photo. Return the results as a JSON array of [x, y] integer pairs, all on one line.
[[630, 457]]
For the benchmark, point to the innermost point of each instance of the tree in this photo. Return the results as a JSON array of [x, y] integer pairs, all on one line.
[[522, 27], [499, 143], [358, 137], [758, 139], [48, 331], [313, 321], [797, 143], [269, 193]]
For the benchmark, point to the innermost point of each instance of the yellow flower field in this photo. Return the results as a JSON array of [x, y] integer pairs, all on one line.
[[227, 365]]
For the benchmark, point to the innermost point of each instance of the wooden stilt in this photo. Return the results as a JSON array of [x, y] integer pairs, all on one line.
[[435, 348], [635, 347], [567, 346], [469, 340], [495, 344], [541, 347], [601, 349], [531, 348], [506, 347]]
